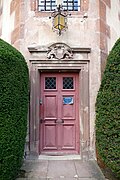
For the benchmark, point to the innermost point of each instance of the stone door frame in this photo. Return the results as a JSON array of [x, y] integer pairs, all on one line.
[[78, 62]]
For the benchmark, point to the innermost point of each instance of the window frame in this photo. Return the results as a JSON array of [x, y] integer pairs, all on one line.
[[66, 9], [84, 5]]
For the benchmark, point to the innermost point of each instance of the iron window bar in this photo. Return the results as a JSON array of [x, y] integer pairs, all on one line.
[[67, 5]]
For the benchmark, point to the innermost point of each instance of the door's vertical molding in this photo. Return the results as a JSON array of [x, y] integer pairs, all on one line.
[[84, 121], [32, 112], [37, 108], [33, 106], [81, 107]]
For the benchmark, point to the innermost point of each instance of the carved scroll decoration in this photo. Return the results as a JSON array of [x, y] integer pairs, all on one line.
[[59, 51]]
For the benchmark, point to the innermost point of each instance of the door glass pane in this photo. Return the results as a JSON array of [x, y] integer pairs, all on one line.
[[50, 82], [68, 83]]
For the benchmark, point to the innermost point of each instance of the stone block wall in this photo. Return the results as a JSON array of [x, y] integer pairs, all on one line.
[[109, 27], [17, 33]]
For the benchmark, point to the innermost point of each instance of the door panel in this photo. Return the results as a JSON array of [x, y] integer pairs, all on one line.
[[68, 136], [50, 110], [59, 113], [68, 110], [50, 137]]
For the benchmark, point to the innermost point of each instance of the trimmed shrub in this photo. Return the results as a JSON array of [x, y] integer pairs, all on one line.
[[108, 113], [14, 80]]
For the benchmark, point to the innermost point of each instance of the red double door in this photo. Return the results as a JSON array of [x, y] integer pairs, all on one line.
[[59, 112]]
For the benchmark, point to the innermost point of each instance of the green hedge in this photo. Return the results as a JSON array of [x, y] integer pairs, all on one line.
[[14, 80], [108, 113]]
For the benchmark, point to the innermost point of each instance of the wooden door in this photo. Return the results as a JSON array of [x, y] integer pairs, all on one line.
[[59, 111]]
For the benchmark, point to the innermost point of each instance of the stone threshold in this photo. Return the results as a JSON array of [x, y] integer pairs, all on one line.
[[60, 157]]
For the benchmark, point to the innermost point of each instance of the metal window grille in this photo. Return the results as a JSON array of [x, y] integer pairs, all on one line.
[[50, 82], [68, 83], [70, 5]]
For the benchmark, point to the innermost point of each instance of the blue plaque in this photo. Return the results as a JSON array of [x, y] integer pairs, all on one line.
[[67, 100]]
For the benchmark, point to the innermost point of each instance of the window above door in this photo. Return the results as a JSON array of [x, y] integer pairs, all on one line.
[[50, 5]]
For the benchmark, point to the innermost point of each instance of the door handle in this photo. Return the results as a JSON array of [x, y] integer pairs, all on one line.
[[41, 101], [59, 121]]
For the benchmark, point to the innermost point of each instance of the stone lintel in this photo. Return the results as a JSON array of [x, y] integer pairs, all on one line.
[[43, 49]]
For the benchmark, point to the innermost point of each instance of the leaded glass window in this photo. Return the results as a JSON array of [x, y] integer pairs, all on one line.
[[68, 83], [50, 82]]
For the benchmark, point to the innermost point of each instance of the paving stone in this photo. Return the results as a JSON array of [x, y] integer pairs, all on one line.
[[87, 178], [32, 178], [72, 179], [35, 165], [62, 179], [96, 171], [88, 169], [61, 169], [83, 169], [35, 169]]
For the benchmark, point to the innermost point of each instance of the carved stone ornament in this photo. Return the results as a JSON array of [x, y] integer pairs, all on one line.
[[59, 51]]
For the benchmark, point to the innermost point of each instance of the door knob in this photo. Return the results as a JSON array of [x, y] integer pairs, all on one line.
[[59, 121]]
